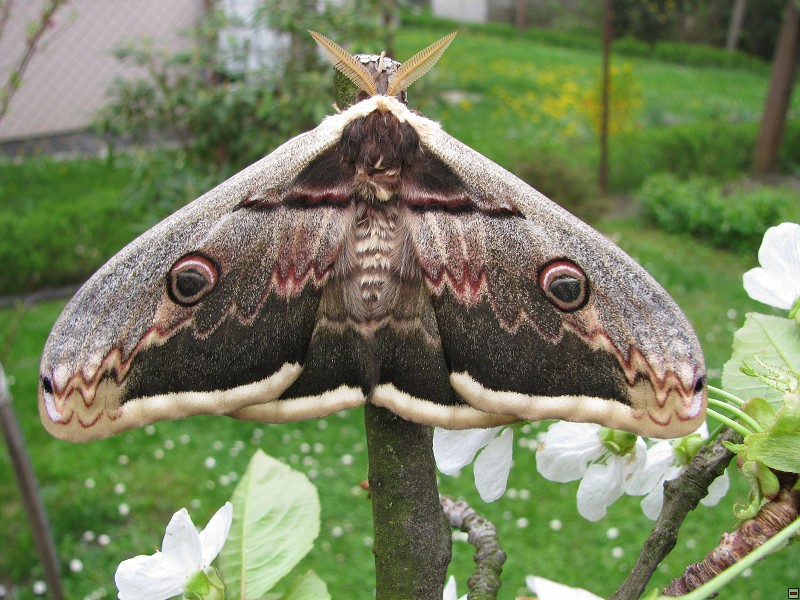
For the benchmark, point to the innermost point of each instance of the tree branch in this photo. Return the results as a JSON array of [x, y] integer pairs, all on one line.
[[489, 555], [681, 495], [752, 533], [412, 537]]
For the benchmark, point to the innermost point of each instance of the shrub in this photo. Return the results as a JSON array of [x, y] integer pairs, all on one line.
[[565, 182], [734, 218], [716, 149]]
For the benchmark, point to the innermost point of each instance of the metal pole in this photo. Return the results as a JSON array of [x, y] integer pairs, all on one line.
[[29, 489]]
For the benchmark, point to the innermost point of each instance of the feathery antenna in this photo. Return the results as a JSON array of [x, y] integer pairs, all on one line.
[[419, 64], [347, 64]]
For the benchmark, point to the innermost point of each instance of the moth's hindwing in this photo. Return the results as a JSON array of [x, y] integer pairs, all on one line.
[[377, 259]]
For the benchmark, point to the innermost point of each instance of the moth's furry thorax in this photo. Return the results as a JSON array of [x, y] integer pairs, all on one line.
[[380, 147]]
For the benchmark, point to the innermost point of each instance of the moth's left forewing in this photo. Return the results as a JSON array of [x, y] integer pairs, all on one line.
[[127, 351], [518, 336]]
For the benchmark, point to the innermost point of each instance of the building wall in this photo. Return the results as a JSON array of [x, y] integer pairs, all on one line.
[[467, 11], [66, 81], [474, 11]]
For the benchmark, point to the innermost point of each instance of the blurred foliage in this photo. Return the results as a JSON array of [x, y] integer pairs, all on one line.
[[649, 20], [693, 52], [519, 100], [734, 216], [565, 182], [704, 21], [762, 24], [220, 106], [716, 149]]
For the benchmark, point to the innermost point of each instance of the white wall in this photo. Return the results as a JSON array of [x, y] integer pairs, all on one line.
[[66, 81], [471, 11]]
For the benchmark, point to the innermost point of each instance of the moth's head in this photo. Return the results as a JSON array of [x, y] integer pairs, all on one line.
[[361, 76]]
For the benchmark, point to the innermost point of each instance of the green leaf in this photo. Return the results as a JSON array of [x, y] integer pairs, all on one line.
[[307, 587], [762, 411], [788, 418], [752, 472], [779, 451], [773, 339], [275, 522], [204, 585]]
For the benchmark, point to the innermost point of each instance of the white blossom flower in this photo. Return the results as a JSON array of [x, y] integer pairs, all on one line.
[[666, 460], [455, 449], [571, 451], [450, 592], [546, 589], [184, 552], [777, 281]]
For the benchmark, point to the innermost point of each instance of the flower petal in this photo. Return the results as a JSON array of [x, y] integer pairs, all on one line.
[[213, 537], [763, 286], [148, 578], [567, 449], [652, 503], [717, 490], [658, 459], [600, 487], [455, 449], [550, 590], [777, 281], [450, 592], [493, 466], [181, 547]]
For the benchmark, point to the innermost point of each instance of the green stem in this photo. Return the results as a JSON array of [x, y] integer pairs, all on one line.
[[724, 578], [729, 422], [726, 395], [715, 432], [740, 414]]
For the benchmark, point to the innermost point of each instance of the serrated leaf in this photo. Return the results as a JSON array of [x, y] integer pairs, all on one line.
[[779, 451], [776, 341], [307, 587], [275, 522]]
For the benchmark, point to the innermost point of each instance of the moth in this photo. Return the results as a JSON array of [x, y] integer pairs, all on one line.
[[375, 259]]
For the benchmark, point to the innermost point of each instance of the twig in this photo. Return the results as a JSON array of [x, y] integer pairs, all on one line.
[[489, 555], [14, 80], [752, 533], [5, 15], [681, 495]]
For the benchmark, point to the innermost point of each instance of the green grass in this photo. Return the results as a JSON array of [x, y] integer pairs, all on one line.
[[60, 221], [78, 211], [520, 101], [524, 97]]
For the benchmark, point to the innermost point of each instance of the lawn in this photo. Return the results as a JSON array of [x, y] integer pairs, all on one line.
[[110, 500]]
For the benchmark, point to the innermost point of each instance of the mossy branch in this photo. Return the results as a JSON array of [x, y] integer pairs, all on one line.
[[412, 544]]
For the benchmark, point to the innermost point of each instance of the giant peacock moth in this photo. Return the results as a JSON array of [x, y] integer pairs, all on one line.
[[373, 259]]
